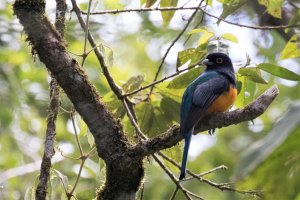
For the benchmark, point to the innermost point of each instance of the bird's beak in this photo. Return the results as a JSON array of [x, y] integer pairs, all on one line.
[[206, 62]]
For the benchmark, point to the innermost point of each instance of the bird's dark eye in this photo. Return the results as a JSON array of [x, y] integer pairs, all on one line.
[[219, 60]]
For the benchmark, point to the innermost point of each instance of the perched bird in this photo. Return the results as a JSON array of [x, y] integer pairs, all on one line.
[[213, 91]]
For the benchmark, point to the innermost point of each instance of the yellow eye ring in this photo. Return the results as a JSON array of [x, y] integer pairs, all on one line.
[[219, 60]]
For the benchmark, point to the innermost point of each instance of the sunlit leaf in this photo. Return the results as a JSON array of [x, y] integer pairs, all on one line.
[[149, 3], [246, 91], [199, 30], [133, 83], [230, 6], [273, 7], [91, 139], [295, 20], [167, 15], [113, 4], [230, 37], [253, 74], [194, 55], [205, 38], [292, 48], [29, 194], [183, 80], [279, 71], [62, 177]]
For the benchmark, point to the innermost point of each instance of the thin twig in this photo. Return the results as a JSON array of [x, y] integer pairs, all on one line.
[[164, 9], [192, 8], [197, 25], [86, 32], [221, 167], [139, 132], [220, 186], [174, 193], [83, 159], [172, 44], [172, 177], [75, 131], [160, 81], [114, 87]]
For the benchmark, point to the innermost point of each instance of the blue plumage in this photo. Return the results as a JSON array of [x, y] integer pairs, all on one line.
[[201, 94]]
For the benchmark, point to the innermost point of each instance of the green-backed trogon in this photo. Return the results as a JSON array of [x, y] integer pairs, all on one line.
[[213, 91]]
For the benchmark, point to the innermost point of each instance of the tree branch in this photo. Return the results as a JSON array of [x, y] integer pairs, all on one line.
[[217, 120], [172, 44], [192, 8], [51, 51], [111, 143], [41, 190]]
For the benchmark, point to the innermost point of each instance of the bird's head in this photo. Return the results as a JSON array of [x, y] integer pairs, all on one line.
[[216, 61]]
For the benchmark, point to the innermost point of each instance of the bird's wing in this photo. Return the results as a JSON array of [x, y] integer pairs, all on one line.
[[203, 96]]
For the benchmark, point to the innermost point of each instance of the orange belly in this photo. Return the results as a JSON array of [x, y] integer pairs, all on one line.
[[224, 101]]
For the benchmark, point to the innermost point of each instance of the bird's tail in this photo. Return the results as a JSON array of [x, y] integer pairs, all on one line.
[[187, 141]]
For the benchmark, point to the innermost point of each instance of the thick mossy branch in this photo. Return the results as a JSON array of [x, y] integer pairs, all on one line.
[[217, 120], [124, 173]]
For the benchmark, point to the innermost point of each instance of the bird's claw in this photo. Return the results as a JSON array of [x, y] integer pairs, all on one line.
[[211, 131]]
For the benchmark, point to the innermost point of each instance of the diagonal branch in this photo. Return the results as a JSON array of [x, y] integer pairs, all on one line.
[[172, 44], [217, 120], [52, 52], [193, 8]]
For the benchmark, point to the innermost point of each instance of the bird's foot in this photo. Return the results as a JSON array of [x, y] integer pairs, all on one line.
[[211, 131]]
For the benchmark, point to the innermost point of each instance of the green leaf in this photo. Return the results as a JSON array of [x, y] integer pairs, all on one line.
[[160, 123], [230, 37], [205, 38], [183, 80], [175, 153], [170, 108], [133, 83], [199, 30], [91, 139], [246, 91], [145, 116], [206, 34], [295, 20], [273, 7], [209, 2], [292, 48], [193, 54], [29, 194], [149, 3], [62, 177], [167, 15], [279, 71], [253, 74], [107, 54], [230, 6], [114, 104]]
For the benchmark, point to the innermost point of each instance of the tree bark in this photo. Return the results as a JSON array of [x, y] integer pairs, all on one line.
[[124, 171]]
